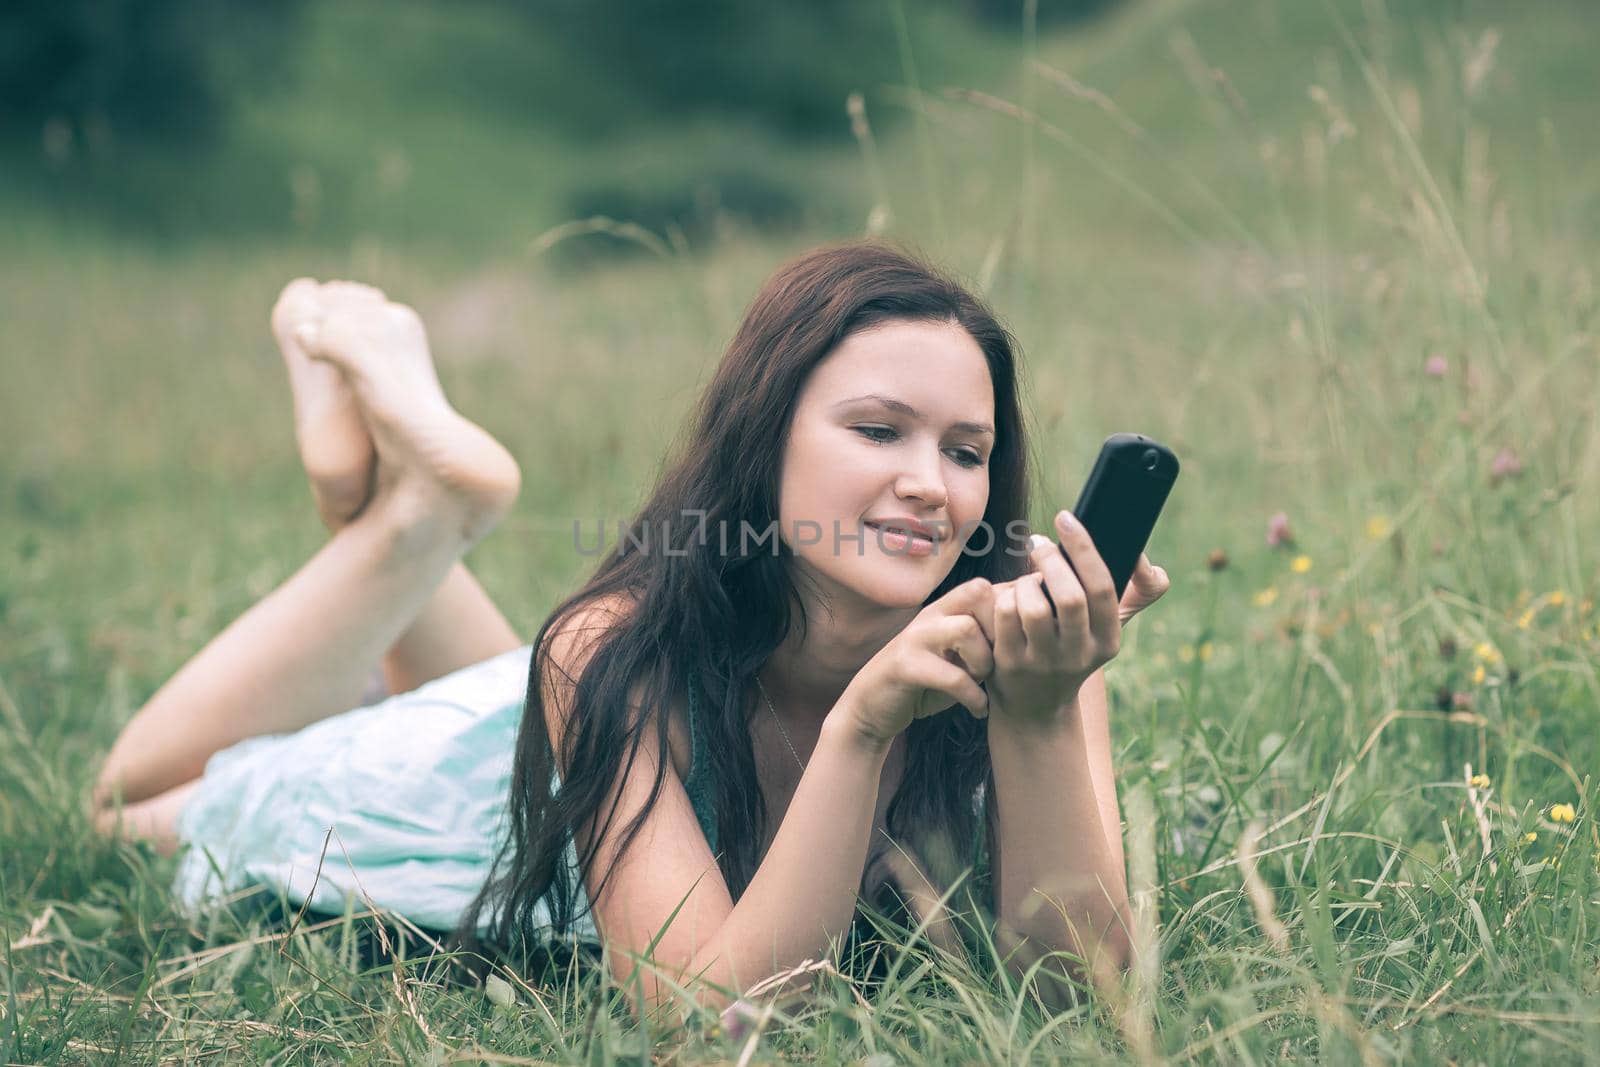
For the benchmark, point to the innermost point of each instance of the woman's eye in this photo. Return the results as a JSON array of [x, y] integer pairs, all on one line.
[[964, 456]]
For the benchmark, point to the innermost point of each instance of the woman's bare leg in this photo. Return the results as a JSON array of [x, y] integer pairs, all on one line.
[[154, 820], [301, 653], [459, 625]]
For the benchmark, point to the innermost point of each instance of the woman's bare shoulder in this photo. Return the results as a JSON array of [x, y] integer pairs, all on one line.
[[572, 642]]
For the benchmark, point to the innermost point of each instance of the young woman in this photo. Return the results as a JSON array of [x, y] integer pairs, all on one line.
[[819, 659]]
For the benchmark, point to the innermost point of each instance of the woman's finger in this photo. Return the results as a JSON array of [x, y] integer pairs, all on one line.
[[1010, 640], [963, 636], [956, 686], [1038, 620], [1093, 576], [974, 597], [1066, 593], [1153, 580], [1148, 584]]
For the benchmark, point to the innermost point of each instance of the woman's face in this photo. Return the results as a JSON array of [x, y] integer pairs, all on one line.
[[896, 423]]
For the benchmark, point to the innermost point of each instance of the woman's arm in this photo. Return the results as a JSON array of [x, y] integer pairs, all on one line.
[[803, 894], [1097, 736], [1056, 854], [805, 891], [1057, 864]]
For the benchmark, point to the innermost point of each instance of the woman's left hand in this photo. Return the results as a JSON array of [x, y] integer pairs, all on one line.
[[1043, 657]]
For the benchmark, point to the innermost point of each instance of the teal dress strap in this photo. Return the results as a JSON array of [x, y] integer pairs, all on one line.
[[699, 783]]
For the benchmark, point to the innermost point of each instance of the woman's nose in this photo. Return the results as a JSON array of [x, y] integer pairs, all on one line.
[[925, 484]]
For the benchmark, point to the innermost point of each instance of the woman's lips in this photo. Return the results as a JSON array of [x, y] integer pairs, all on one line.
[[901, 543]]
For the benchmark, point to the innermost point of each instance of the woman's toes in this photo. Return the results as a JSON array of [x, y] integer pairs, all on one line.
[[431, 462], [343, 338], [299, 302], [382, 348], [336, 447]]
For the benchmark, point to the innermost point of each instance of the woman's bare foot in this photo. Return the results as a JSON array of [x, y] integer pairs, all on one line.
[[433, 465], [335, 447]]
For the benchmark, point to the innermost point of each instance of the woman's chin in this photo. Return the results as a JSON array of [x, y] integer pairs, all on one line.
[[905, 591], [890, 583]]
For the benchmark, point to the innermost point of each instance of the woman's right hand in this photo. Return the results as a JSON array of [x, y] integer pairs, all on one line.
[[939, 659]]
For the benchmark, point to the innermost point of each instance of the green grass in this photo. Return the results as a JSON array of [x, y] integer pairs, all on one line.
[[1217, 262]]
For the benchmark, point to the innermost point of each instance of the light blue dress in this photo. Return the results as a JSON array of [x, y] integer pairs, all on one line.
[[415, 789]]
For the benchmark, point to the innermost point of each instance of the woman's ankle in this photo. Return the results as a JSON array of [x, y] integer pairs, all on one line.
[[415, 520]]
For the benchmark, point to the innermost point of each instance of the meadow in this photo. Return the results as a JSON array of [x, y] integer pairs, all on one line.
[[1340, 256]]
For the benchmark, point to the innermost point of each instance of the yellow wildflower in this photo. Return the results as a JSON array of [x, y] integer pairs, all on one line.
[[1478, 674], [1204, 651], [1186, 653], [1479, 781], [1265, 597], [1525, 619], [1378, 527], [1562, 813], [1486, 652], [1300, 564], [1558, 598], [1530, 837]]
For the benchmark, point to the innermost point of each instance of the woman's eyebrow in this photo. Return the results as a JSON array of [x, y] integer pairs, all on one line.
[[902, 408]]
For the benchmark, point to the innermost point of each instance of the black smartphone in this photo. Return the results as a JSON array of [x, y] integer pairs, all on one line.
[[1122, 499]]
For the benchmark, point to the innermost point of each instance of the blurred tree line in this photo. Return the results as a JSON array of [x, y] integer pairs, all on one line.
[[187, 118], [788, 65], [100, 70], [91, 71]]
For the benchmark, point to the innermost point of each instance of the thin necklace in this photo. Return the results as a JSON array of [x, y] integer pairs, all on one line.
[[779, 721]]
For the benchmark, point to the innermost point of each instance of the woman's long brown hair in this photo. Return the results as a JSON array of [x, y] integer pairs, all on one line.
[[715, 617]]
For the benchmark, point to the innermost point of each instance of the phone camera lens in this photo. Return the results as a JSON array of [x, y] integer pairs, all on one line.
[[1152, 459]]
